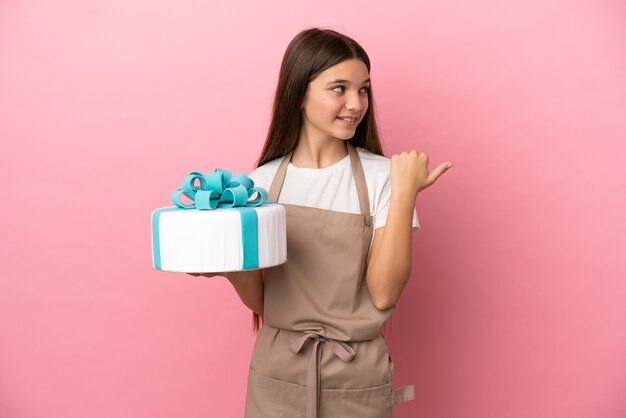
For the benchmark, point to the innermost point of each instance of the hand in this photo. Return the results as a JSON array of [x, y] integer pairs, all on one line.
[[409, 173], [209, 274]]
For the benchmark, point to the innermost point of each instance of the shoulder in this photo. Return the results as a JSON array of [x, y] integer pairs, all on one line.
[[377, 168], [262, 176], [373, 163]]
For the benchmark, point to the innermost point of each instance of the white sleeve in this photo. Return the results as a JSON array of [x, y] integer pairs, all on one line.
[[380, 215], [262, 176], [258, 178]]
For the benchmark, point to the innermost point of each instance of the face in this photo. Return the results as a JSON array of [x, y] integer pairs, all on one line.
[[338, 92]]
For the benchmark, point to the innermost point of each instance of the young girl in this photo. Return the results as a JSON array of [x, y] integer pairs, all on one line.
[[350, 214]]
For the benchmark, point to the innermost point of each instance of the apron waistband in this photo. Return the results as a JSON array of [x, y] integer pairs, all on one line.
[[341, 349]]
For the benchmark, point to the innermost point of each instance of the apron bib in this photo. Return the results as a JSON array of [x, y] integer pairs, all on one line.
[[320, 352]]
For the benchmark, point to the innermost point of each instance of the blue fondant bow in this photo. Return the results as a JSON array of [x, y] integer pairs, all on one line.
[[218, 189]]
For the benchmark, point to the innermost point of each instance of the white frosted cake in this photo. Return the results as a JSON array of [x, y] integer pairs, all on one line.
[[202, 241], [222, 230]]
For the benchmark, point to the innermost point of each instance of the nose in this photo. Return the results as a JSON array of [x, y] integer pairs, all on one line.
[[355, 102]]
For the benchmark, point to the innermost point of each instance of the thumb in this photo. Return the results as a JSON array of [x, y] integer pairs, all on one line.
[[441, 168]]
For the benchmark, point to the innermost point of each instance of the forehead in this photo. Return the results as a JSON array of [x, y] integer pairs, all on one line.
[[351, 71]]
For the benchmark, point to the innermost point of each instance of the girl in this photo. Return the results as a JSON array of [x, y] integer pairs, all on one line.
[[350, 213]]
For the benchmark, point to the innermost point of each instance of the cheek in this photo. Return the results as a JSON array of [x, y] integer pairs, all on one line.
[[333, 107], [324, 106]]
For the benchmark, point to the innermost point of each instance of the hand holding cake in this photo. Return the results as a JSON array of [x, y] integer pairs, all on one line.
[[223, 274]]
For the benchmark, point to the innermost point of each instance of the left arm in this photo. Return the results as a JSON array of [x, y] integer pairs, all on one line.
[[390, 258], [389, 264]]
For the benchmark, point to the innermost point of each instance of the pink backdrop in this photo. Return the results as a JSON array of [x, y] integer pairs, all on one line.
[[516, 306]]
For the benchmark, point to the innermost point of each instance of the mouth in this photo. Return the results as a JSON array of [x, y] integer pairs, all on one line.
[[348, 120]]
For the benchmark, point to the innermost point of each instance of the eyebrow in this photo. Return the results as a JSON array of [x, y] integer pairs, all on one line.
[[345, 81]]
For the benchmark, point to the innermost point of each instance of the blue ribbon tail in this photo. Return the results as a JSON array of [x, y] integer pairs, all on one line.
[[249, 237]]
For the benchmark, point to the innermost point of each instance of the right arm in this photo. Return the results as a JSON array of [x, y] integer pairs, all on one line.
[[247, 284], [249, 287]]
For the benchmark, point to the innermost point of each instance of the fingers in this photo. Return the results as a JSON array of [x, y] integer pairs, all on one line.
[[204, 274], [411, 152]]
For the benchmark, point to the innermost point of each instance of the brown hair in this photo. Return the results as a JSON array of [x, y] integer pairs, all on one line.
[[309, 53]]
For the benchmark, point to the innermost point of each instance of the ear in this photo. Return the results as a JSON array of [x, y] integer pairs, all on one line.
[[304, 98]]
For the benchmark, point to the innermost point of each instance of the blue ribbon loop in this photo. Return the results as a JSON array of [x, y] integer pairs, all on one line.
[[219, 190]]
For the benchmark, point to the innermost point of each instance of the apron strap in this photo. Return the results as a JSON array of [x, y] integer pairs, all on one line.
[[340, 348], [279, 178], [361, 184], [405, 393]]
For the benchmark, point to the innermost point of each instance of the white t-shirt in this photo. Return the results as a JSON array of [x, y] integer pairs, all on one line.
[[333, 187]]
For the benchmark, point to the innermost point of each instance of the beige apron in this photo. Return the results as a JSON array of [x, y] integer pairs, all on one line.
[[320, 352]]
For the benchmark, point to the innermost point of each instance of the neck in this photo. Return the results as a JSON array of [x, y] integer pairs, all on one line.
[[310, 153]]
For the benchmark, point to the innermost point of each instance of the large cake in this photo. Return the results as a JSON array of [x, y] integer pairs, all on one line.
[[221, 230]]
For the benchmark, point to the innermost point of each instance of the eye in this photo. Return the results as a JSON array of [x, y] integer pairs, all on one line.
[[366, 89]]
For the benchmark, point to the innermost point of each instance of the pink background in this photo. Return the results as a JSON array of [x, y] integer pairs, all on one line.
[[517, 302]]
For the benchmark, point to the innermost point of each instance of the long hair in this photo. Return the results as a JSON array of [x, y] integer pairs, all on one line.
[[309, 53]]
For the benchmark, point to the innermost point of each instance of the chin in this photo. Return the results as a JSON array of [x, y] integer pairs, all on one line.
[[345, 135]]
